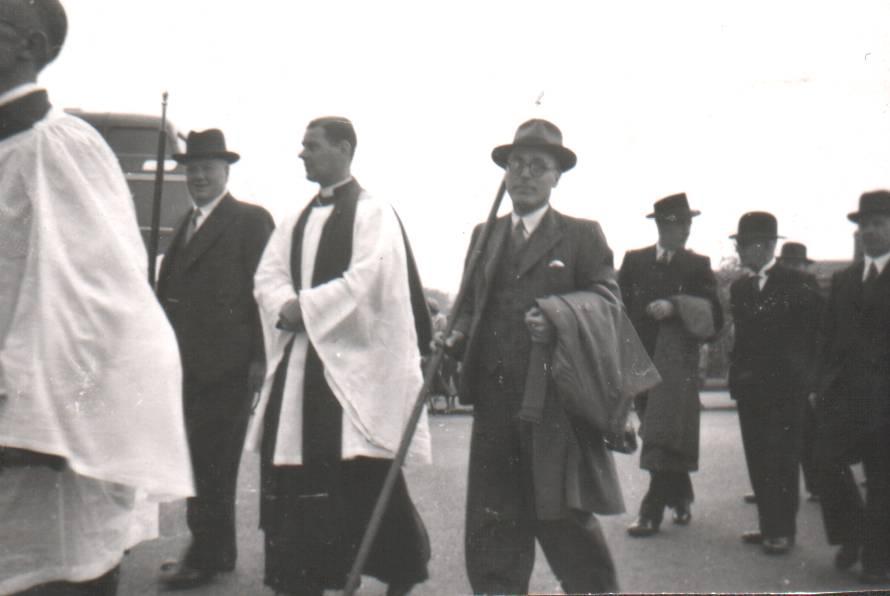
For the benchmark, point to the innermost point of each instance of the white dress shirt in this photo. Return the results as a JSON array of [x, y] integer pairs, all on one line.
[[530, 221], [880, 262], [204, 211], [763, 273]]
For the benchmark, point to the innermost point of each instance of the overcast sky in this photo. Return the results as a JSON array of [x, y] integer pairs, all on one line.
[[782, 106]]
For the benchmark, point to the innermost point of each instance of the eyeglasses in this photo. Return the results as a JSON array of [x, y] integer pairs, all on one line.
[[536, 167]]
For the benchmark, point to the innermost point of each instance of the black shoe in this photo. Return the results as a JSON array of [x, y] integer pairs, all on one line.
[[752, 538], [875, 577], [750, 498], [643, 527], [846, 556], [778, 545], [180, 576], [683, 515]]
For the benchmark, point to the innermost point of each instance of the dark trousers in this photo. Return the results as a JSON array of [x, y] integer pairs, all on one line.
[[808, 451], [216, 417], [501, 525], [105, 585], [847, 519], [772, 427], [667, 488]]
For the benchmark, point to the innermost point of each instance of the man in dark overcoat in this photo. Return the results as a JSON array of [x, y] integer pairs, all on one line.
[[532, 253], [853, 399], [773, 311], [653, 280], [206, 287]]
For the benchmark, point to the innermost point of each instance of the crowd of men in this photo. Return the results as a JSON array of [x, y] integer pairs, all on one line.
[[304, 342]]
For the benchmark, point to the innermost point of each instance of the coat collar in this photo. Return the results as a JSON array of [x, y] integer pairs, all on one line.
[[549, 232], [22, 113]]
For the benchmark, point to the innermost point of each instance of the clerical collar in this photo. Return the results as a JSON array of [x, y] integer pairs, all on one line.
[[208, 208], [328, 191], [19, 91], [530, 220], [880, 262]]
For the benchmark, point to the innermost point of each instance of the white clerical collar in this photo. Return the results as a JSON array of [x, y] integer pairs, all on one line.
[[206, 209], [530, 220], [328, 191], [17, 92], [880, 262]]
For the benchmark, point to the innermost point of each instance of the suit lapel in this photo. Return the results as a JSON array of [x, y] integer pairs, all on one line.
[[549, 232], [210, 230]]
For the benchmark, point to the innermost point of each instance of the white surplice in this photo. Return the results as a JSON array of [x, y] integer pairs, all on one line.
[[90, 367], [361, 325]]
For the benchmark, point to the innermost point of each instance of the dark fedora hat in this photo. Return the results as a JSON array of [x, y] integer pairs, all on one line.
[[206, 144], [673, 208], [757, 225], [871, 203], [537, 134], [794, 252]]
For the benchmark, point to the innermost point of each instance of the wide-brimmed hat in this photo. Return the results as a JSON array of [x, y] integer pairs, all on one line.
[[870, 203], [757, 225], [794, 252], [206, 144], [673, 208], [537, 134]]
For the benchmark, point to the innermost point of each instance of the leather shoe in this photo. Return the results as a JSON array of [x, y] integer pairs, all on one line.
[[683, 515], [874, 577], [180, 576], [778, 545], [750, 498], [752, 538], [846, 556], [643, 527]]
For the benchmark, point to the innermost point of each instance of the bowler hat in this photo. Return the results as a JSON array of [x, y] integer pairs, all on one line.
[[673, 208], [794, 252], [871, 203], [537, 134], [206, 144], [757, 225]]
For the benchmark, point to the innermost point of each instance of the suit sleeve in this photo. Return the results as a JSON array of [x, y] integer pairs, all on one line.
[[706, 287], [595, 262], [465, 317], [625, 282], [258, 228]]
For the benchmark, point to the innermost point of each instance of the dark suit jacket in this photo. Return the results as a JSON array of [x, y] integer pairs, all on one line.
[[643, 280], [775, 335], [563, 255], [206, 289], [854, 371]]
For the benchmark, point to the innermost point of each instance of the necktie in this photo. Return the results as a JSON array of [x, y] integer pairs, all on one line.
[[193, 225], [518, 236], [868, 285], [665, 258]]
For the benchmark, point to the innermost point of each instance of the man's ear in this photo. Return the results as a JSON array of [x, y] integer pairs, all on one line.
[[345, 147], [36, 50]]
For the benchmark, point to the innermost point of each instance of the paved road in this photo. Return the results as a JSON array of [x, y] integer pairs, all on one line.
[[706, 556]]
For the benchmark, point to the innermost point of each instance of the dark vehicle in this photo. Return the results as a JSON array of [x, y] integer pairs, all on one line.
[[134, 140]]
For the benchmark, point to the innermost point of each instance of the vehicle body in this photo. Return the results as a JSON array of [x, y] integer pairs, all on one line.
[[134, 140]]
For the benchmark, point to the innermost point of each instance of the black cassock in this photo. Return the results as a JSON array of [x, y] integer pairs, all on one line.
[[314, 515]]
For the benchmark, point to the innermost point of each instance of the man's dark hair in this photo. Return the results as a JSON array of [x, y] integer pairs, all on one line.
[[336, 129]]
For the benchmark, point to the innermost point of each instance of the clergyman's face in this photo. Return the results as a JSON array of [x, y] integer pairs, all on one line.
[[874, 233], [206, 179], [324, 161], [531, 175]]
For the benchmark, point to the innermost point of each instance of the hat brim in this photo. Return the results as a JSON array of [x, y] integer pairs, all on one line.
[[857, 216], [675, 216], [566, 158], [756, 237], [227, 156]]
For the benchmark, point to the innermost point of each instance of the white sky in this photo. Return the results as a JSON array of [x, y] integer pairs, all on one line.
[[782, 106]]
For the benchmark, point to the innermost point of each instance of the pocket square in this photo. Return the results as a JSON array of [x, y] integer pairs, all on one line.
[[556, 264]]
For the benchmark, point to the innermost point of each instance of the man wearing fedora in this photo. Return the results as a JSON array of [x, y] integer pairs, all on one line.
[[206, 288], [532, 253], [794, 256], [658, 285], [773, 310], [852, 396]]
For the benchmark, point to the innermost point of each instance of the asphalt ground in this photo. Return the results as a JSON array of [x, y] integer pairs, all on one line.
[[706, 556]]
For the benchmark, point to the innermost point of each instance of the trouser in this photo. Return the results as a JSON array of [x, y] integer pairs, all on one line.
[[501, 525], [216, 417], [105, 585], [667, 488], [847, 519], [772, 437], [808, 451]]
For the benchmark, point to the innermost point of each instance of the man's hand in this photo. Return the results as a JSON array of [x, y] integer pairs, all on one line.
[[453, 344], [256, 374], [660, 309], [539, 326], [291, 316]]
